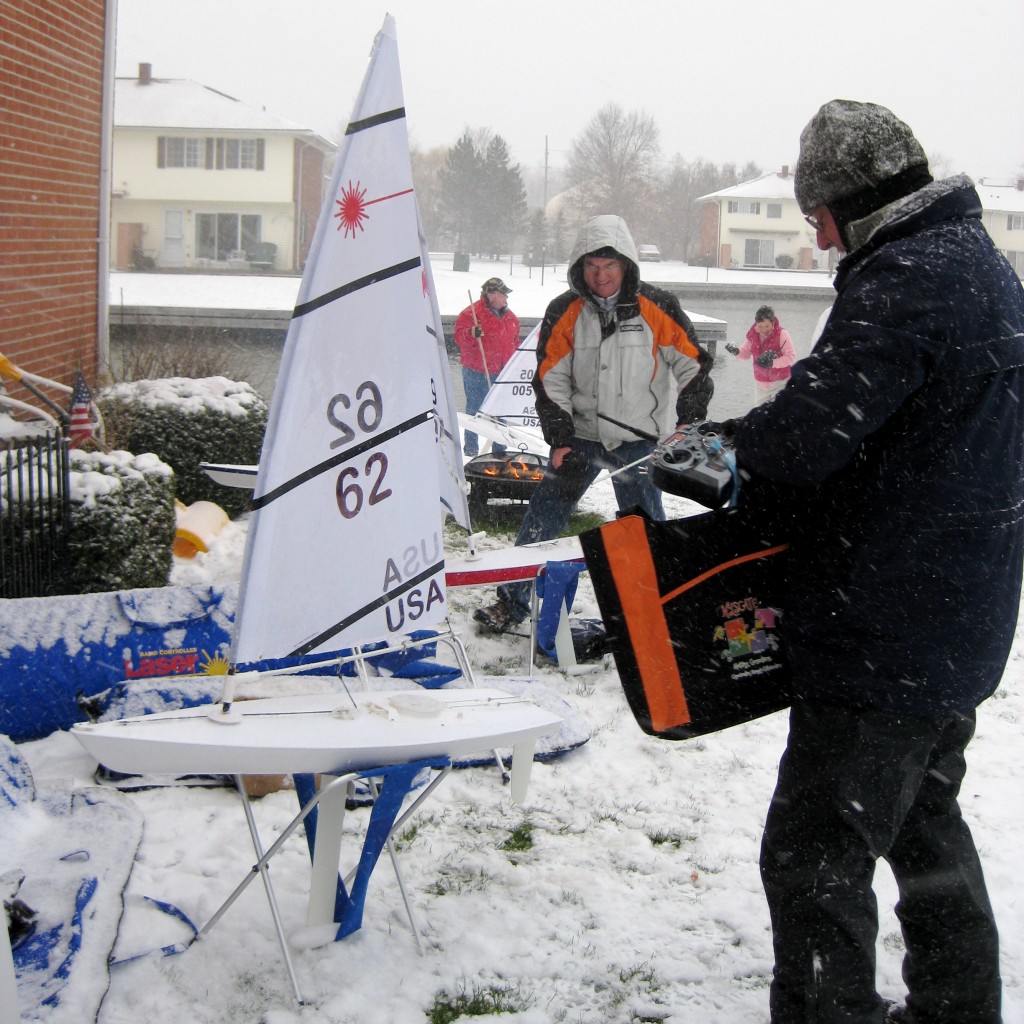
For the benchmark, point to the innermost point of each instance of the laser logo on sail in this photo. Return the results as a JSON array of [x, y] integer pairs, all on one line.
[[352, 207]]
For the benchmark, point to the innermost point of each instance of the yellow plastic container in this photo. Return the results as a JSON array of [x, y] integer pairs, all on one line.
[[197, 526]]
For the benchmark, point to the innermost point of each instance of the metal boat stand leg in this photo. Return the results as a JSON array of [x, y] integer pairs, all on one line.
[[260, 868], [390, 844], [392, 853], [268, 887], [534, 613]]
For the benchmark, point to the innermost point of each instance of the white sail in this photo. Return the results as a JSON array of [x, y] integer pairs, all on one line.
[[344, 542], [452, 480], [510, 397]]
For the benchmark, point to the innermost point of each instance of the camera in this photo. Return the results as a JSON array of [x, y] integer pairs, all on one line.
[[696, 463]]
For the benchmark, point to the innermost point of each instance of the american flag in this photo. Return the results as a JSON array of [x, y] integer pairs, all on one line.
[[80, 427]]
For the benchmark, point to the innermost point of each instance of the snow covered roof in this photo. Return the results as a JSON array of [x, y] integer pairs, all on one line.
[[773, 185], [998, 195], [178, 103]]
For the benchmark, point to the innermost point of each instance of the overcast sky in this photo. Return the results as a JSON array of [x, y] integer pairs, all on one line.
[[727, 81]]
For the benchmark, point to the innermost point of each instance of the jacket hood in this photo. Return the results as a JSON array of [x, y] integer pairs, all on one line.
[[860, 232], [604, 232]]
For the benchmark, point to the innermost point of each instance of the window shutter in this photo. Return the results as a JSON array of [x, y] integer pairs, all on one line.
[[209, 154], [220, 154], [161, 151], [260, 147]]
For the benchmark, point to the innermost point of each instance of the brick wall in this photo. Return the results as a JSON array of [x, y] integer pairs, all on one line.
[[709, 214], [309, 196], [51, 79]]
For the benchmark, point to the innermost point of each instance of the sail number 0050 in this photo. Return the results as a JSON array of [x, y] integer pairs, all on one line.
[[352, 484]]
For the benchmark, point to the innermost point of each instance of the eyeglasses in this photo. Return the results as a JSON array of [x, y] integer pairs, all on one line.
[[815, 223]]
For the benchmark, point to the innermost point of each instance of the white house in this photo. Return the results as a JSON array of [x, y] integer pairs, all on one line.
[[758, 224], [1002, 205], [200, 179]]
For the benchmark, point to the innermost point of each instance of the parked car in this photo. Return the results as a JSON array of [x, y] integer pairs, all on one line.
[[648, 254]]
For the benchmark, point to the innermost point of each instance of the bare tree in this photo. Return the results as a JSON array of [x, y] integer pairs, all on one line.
[[678, 214], [426, 179], [613, 164]]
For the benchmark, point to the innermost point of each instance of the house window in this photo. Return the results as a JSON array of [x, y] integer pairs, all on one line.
[[219, 234], [759, 252], [239, 154], [1015, 222], [179, 152], [744, 206], [210, 153], [1016, 261], [774, 211]]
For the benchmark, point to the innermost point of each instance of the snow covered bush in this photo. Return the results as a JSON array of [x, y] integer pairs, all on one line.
[[122, 522], [186, 422]]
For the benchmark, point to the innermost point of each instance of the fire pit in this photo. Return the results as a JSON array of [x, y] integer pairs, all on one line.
[[510, 475]]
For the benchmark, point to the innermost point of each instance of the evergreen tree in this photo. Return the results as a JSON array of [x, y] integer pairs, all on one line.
[[482, 197], [460, 198], [537, 243], [559, 250], [504, 199]]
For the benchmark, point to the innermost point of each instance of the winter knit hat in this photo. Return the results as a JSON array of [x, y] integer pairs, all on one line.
[[856, 158]]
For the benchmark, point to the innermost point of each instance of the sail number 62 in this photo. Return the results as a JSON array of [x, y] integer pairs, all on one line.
[[369, 412], [353, 486], [350, 489]]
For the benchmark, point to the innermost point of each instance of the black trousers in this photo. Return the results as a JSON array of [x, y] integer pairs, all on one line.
[[854, 786]]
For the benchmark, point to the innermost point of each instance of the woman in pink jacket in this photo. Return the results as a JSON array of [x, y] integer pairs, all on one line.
[[768, 343]]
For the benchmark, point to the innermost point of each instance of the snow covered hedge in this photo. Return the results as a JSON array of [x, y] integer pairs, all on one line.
[[122, 522], [186, 422]]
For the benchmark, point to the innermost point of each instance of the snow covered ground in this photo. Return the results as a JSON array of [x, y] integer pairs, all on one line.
[[638, 898]]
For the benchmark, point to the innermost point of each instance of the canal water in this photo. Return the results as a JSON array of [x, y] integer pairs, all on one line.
[[734, 378]]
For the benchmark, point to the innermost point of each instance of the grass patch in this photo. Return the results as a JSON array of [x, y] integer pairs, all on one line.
[[503, 521], [482, 1001], [520, 840], [662, 838]]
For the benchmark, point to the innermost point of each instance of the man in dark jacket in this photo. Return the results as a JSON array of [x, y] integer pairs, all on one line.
[[892, 460]]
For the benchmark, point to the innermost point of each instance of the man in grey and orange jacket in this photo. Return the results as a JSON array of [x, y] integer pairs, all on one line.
[[609, 352]]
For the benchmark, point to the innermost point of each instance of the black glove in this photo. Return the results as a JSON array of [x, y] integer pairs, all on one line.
[[725, 429], [732, 349], [477, 331], [572, 475], [765, 359]]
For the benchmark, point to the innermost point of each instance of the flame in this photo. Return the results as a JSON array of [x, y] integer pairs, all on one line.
[[514, 468]]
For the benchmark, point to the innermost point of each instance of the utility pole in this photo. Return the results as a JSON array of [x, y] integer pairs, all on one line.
[[544, 214]]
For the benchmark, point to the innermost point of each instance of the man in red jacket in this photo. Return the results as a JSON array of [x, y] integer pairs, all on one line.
[[487, 334]]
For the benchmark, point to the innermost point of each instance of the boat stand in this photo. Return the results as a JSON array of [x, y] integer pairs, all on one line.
[[333, 899]]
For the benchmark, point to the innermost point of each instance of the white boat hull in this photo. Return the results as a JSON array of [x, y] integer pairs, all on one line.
[[504, 565], [318, 733], [230, 475]]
